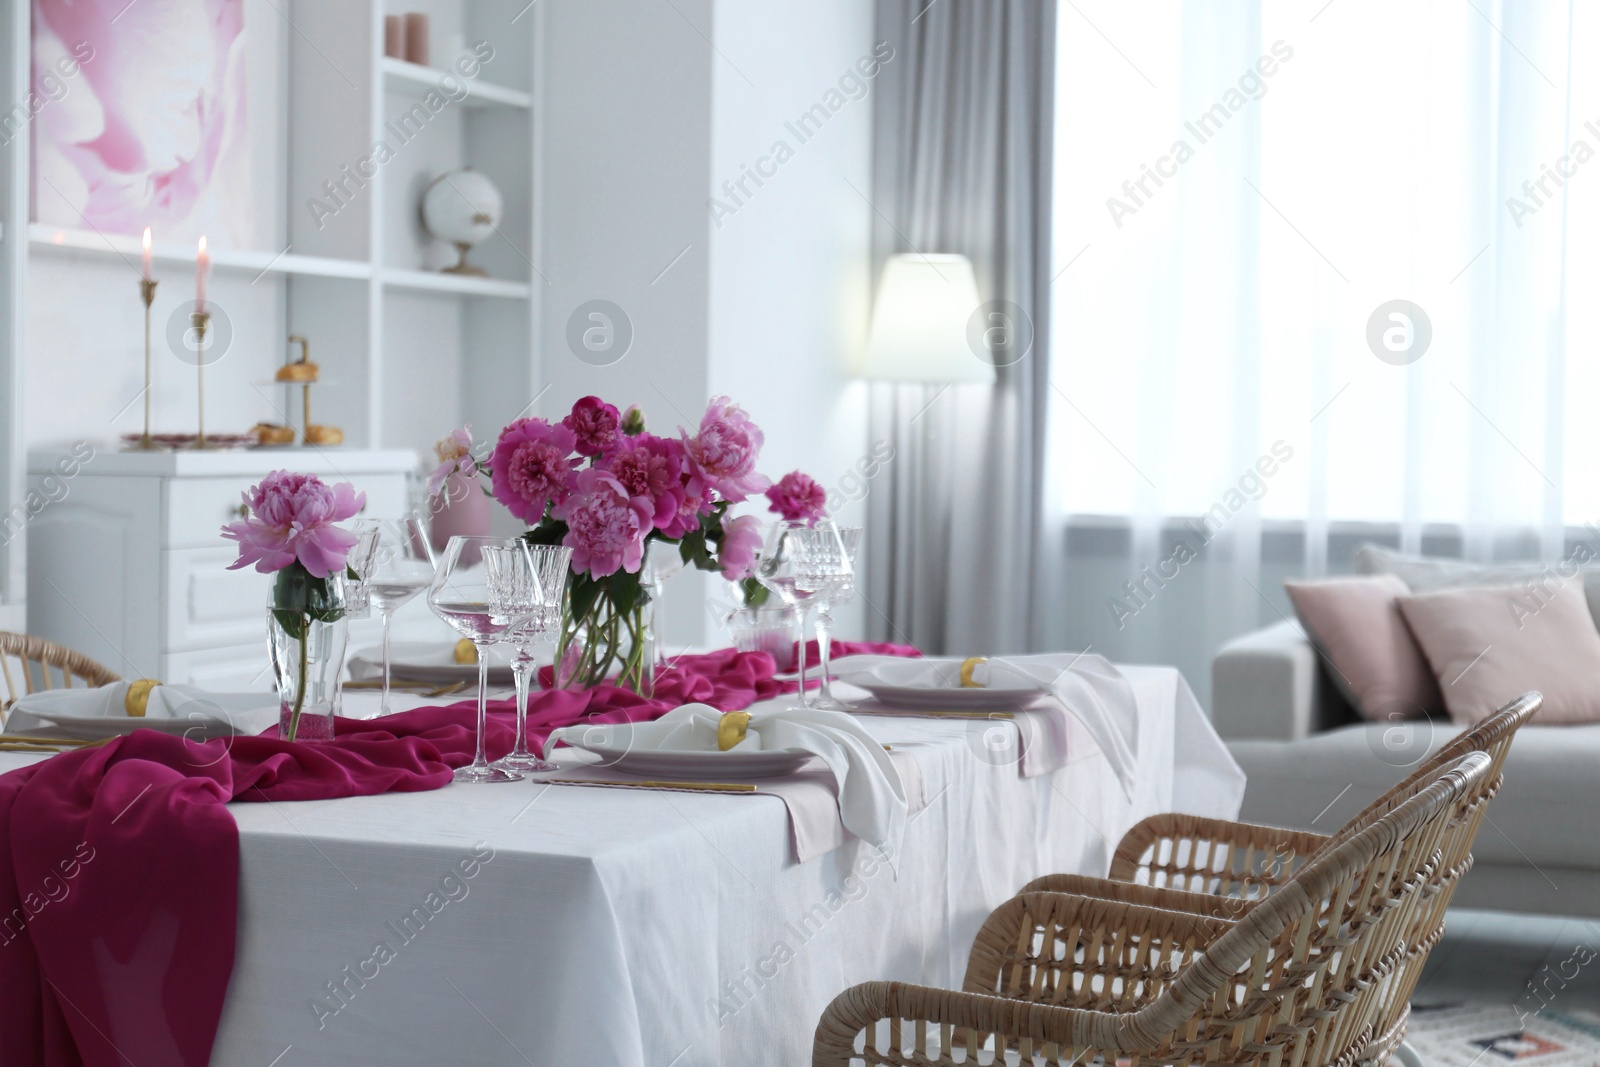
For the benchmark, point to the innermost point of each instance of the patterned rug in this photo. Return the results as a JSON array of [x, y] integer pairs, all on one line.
[[1483, 1035]]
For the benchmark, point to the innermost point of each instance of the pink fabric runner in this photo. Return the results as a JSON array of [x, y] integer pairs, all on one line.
[[119, 873]]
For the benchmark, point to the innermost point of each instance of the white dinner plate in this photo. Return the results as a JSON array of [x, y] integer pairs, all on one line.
[[950, 698], [206, 721], [697, 766], [79, 728], [425, 661]]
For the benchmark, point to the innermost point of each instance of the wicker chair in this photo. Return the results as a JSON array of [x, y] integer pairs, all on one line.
[[1153, 976], [26, 662], [1244, 862]]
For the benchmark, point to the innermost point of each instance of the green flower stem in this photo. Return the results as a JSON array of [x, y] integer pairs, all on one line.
[[605, 628], [300, 683], [635, 669], [300, 599]]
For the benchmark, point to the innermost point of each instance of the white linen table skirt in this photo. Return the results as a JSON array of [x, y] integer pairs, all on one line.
[[655, 929]]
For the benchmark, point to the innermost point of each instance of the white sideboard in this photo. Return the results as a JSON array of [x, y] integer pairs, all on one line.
[[127, 564]]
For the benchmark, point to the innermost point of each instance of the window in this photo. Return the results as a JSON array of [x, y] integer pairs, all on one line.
[[1244, 194]]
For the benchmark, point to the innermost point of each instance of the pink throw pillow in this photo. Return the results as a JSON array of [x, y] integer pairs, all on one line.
[[1489, 645], [1375, 661]]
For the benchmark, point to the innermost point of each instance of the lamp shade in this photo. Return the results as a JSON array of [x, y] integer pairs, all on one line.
[[919, 325]]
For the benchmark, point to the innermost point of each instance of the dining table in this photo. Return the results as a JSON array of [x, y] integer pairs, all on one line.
[[541, 923]]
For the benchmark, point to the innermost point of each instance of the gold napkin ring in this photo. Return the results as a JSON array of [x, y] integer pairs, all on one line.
[[969, 665], [731, 729], [138, 697], [466, 653]]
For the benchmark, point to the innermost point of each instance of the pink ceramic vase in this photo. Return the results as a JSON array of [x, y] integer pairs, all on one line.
[[462, 509]]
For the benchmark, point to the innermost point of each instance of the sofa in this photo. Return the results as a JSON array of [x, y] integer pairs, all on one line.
[[1312, 763]]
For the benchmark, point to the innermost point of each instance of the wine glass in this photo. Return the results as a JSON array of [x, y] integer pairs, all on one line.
[[400, 566], [662, 560], [481, 603], [842, 593], [799, 564], [357, 593], [540, 575]]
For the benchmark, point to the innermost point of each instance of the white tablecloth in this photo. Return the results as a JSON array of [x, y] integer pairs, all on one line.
[[542, 924]]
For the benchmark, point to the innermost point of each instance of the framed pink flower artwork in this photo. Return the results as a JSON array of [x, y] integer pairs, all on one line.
[[141, 118]]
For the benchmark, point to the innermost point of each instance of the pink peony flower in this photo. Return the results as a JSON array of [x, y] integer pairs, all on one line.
[[653, 468], [595, 424], [798, 498], [741, 540], [291, 518], [722, 456], [455, 454], [606, 527], [532, 466], [689, 511]]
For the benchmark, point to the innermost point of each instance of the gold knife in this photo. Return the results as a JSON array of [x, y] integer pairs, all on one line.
[[26, 739]]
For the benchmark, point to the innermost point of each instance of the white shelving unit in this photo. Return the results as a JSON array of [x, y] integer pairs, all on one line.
[[435, 282], [407, 352], [398, 75], [43, 240]]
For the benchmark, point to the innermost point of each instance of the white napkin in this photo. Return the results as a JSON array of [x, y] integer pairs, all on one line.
[[172, 708], [1087, 686], [872, 798]]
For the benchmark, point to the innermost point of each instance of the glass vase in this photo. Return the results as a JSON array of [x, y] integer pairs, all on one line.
[[307, 631], [606, 640]]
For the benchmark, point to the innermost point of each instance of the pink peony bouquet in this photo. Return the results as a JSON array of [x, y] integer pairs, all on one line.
[[600, 484]]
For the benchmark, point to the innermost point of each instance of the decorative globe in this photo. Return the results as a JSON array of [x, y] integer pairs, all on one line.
[[462, 207]]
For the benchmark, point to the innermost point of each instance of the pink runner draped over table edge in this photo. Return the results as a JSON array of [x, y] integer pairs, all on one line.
[[119, 882]]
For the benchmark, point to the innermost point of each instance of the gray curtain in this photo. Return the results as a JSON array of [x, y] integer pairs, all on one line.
[[962, 151]]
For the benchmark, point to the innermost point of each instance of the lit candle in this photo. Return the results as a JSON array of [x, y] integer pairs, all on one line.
[[202, 267], [144, 260]]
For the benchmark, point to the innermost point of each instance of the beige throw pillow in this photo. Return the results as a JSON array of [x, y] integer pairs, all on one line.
[[1356, 625], [1490, 644]]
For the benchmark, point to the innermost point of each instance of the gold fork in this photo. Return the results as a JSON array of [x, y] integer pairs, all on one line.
[[28, 739]]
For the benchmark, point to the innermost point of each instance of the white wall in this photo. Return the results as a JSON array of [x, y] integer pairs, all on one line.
[[642, 121], [625, 149], [14, 73], [789, 279]]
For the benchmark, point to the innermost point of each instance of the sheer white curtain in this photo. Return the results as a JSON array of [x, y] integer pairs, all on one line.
[[1241, 191]]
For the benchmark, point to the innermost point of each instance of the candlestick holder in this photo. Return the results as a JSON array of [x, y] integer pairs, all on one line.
[[200, 321], [147, 293]]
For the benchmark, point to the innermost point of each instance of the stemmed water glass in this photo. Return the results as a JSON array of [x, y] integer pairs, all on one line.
[[801, 564], [357, 593], [397, 566], [481, 603], [841, 594], [662, 560], [539, 574]]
